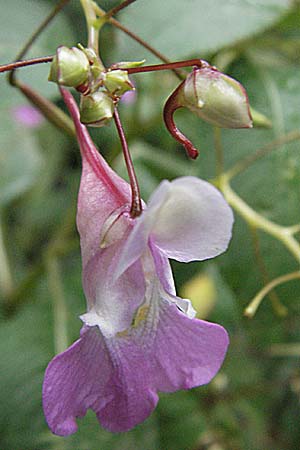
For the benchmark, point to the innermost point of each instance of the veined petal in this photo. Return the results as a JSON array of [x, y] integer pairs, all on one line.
[[194, 222], [94, 373], [188, 219], [101, 190], [75, 380], [119, 378], [111, 303]]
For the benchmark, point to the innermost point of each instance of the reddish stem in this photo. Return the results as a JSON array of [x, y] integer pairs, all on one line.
[[136, 203], [168, 66], [28, 62], [170, 107], [118, 8]]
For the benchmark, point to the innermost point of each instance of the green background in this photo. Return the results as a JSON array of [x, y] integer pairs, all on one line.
[[253, 403]]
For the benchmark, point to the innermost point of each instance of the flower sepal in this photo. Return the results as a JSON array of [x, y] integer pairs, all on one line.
[[96, 109], [70, 67]]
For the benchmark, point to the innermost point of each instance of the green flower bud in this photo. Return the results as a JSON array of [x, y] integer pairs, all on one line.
[[216, 98], [96, 109], [70, 67], [117, 82], [213, 96]]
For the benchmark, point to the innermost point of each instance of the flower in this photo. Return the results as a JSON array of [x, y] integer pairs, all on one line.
[[138, 337]]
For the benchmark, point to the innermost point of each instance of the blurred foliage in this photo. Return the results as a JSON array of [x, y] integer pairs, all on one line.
[[253, 403]]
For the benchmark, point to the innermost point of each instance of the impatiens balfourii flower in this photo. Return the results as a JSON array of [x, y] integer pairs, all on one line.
[[138, 337]]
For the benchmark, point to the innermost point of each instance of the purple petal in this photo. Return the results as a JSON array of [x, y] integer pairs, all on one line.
[[119, 378], [88, 375], [111, 304], [75, 380], [101, 192], [188, 219]]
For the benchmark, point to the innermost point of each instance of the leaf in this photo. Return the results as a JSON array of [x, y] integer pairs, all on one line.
[[20, 160], [196, 27], [22, 18]]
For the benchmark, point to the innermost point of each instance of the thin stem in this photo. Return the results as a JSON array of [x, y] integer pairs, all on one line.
[[35, 35], [167, 66], [118, 8], [254, 304], [141, 41], [254, 219], [136, 204], [59, 303], [278, 307], [263, 151], [88, 7], [28, 62]]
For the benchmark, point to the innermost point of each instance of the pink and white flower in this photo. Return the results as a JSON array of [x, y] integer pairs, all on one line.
[[138, 337]]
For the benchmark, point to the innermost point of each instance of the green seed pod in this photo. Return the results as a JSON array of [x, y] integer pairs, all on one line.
[[96, 109], [216, 98], [70, 67], [117, 82]]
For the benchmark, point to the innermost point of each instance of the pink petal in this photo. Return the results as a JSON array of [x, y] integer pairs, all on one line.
[[101, 192], [111, 304], [187, 218], [119, 378]]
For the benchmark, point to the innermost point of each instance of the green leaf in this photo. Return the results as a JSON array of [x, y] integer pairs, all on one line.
[[22, 18], [20, 160], [196, 27]]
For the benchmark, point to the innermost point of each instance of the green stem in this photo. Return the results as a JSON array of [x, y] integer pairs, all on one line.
[[254, 304], [141, 41], [283, 234], [93, 24], [279, 309]]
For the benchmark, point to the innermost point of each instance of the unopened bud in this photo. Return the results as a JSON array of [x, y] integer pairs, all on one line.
[[96, 109], [213, 96], [117, 82], [70, 67], [216, 98]]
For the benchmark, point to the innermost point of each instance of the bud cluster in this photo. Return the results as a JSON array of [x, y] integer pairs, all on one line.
[[100, 88]]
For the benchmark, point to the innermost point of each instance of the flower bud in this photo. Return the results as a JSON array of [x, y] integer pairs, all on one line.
[[70, 67], [96, 109], [117, 82], [216, 98]]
